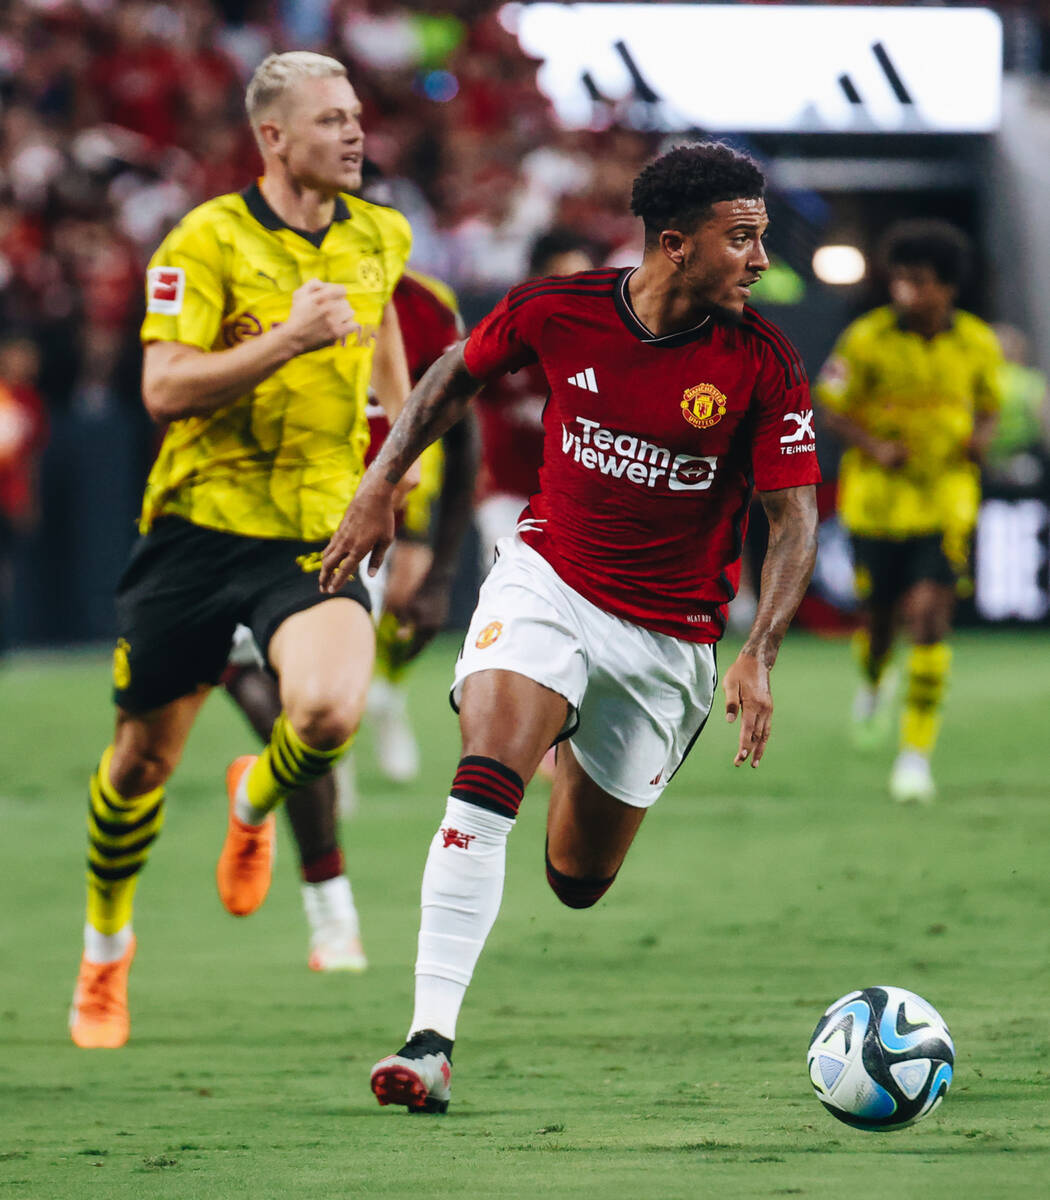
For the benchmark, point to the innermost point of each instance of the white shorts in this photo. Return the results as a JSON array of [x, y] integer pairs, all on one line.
[[637, 699], [496, 518]]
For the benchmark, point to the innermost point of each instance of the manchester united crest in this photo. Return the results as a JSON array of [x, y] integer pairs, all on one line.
[[489, 634], [703, 405]]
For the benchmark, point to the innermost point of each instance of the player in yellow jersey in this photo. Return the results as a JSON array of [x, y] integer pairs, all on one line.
[[267, 316], [912, 389], [412, 592]]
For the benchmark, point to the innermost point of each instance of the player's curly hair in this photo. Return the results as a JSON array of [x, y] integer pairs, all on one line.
[[677, 189], [946, 250]]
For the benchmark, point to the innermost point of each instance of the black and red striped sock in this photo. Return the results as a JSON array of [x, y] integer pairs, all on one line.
[[576, 893], [329, 865], [488, 783]]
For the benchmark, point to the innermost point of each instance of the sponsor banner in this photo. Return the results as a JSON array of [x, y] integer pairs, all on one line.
[[768, 68]]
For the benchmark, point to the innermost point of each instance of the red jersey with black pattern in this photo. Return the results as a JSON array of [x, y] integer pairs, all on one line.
[[429, 325], [510, 413], [652, 445]]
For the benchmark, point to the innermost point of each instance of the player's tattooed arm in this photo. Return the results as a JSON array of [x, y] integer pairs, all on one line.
[[786, 570], [436, 403]]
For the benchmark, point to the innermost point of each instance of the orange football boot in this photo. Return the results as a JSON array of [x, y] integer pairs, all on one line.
[[246, 862], [98, 1019]]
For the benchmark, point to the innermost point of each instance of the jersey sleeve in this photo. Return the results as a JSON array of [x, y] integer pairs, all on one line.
[[841, 378], [441, 329], [784, 448], [501, 341], [185, 289], [988, 385]]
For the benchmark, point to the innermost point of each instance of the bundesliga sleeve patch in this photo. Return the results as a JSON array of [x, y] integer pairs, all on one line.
[[164, 290]]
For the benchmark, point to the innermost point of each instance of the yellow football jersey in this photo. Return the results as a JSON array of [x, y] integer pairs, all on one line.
[[925, 393], [283, 460]]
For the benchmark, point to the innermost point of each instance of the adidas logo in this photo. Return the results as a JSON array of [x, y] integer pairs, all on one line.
[[585, 379]]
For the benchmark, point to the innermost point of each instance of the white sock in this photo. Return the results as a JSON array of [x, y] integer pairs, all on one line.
[[106, 947], [461, 894], [329, 906], [383, 696]]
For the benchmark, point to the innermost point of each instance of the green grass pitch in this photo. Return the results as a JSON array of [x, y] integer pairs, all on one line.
[[651, 1048]]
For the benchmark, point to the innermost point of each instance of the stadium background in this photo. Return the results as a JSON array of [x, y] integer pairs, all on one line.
[[118, 117], [654, 1046]]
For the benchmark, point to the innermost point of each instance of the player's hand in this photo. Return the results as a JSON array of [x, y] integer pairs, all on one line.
[[321, 315], [888, 454], [423, 616], [748, 696], [367, 528]]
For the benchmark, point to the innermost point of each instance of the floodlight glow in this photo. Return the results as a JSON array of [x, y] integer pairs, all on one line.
[[839, 264]]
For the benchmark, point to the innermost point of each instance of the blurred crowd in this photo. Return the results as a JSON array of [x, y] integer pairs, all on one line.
[[117, 116]]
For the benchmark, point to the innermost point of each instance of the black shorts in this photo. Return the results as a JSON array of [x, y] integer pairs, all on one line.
[[184, 591], [885, 569]]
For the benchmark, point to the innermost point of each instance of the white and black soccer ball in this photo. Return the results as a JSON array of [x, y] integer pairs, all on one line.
[[881, 1058]]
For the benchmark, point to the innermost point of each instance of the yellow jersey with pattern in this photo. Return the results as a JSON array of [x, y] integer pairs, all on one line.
[[284, 459], [925, 393]]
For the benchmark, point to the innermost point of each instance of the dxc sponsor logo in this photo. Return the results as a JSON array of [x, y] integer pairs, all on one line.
[[799, 440], [626, 456]]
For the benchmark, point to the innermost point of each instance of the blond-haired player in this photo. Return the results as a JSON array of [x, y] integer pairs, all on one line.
[[267, 316]]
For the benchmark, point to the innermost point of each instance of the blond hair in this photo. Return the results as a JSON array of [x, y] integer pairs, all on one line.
[[278, 73]]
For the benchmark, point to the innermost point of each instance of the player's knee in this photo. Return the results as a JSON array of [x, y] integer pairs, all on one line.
[[324, 721], [135, 775], [577, 892]]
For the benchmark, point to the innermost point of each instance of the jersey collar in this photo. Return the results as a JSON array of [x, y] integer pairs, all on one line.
[[949, 328], [268, 219], [622, 301]]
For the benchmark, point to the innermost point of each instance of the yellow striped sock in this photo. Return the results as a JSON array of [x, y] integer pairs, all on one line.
[[872, 669], [286, 764], [391, 662], [928, 668], [121, 830]]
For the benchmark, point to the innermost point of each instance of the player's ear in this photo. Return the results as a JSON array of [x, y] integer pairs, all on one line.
[[271, 135], [672, 243]]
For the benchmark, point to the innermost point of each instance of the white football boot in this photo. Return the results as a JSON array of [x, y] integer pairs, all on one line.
[[418, 1076], [335, 932], [911, 781], [873, 711]]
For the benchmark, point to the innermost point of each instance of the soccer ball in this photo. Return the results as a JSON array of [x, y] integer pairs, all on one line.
[[881, 1058]]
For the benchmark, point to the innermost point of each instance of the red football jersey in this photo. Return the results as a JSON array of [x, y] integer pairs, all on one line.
[[510, 413], [428, 327], [652, 444]]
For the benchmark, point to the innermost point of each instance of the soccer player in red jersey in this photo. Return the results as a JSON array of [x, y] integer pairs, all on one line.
[[670, 401]]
